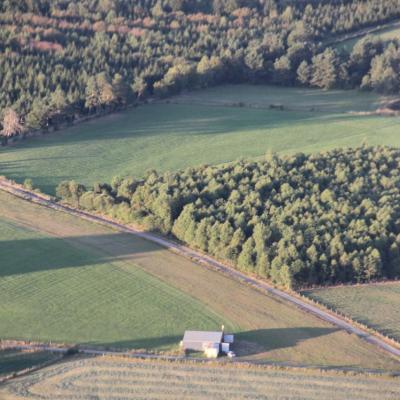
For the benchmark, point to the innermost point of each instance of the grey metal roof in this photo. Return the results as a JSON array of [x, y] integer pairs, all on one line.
[[202, 336]]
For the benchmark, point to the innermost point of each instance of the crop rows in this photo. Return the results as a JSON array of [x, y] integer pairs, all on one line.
[[113, 379]]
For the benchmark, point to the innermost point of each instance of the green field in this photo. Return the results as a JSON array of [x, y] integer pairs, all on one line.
[[173, 136], [12, 361], [106, 379], [61, 289], [385, 33], [291, 98], [375, 305], [65, 279]]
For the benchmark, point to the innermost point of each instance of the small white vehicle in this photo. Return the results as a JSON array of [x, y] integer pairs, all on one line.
[[231, 354]]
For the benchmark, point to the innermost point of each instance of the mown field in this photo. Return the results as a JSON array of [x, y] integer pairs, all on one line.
[[62, 289], [385, 33], [168, 137], [65, 279], [107, 378], [12, 361], [375, 305]]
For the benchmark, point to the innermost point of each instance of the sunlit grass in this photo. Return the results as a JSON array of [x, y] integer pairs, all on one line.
[[376, 305], [174, 136], [65, 279], [61, 289]]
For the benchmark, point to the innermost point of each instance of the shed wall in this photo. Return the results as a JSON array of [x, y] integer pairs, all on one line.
[[199, 346], [190, 345]]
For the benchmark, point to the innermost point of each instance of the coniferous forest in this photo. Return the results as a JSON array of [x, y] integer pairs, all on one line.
[[64, 59], [299, 220], [174, 170]]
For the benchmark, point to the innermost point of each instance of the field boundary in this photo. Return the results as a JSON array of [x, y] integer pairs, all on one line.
[[80, 119], [382, 111], [180, 99], [381, 282], [304, 303], [362, 32], [66, 351], [306, 294], [230, 104]]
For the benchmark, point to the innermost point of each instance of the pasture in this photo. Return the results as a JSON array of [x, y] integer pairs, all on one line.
[[291, 98], [197, 128], [111, 378], [375, 305], [67, 280], [62, 289]]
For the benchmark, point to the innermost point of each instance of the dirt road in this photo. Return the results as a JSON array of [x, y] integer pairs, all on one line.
[[208, 261]]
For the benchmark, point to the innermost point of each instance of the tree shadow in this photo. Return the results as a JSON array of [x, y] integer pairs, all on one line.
[[47, 160], [50, 253], [175, 119]]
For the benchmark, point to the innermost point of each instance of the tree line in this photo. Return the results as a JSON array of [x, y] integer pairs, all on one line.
[[61, 60], [299, 220]]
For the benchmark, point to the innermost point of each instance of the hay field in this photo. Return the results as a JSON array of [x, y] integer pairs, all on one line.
[[375, 305], [168, 137], [106, 379], [70, 280]]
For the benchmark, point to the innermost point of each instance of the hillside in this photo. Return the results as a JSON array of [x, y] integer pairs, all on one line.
[[298, 220], [229, 167], [96, 286], [61, 60], [170, 137]]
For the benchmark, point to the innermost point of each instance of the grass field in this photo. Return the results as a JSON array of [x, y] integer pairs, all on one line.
[[385, 33], [292, 98], [108, 379], [174, 136], [375, 305], [65, 279], [12, 361], [61, 289]]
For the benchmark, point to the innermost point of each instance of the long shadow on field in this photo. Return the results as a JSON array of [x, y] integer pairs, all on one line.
[[264, 340], [48, 253], [14, 361], [247, 343], [147, 343], [166, 119]]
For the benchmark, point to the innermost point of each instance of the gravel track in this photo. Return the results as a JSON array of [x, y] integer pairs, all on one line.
[[208, 262]]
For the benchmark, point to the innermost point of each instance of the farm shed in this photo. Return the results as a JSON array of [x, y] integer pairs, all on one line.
[[209, 342]]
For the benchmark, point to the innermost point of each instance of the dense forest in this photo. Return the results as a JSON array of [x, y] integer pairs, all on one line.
[[64, 59], [298, 220]]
